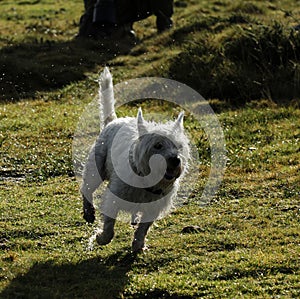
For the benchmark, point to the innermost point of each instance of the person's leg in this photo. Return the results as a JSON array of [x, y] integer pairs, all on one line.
[[163, 11], [86, 20], [104, 18], [126, 14]]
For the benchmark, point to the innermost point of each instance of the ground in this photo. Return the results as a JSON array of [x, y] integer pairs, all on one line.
[[247, 244]]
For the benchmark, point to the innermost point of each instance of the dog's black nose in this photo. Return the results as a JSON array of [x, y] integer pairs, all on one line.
[[174, 161]]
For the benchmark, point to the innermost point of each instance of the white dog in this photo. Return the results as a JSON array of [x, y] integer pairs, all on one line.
[[143, 163]]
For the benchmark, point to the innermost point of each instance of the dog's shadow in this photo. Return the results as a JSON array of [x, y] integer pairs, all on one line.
[[92, 278]]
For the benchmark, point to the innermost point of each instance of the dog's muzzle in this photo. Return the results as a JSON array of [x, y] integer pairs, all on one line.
[[173, 168]]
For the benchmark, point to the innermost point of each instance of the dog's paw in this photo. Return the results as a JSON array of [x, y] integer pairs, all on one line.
[[104, 238], [89, 215], [138, 246], [88, 211]]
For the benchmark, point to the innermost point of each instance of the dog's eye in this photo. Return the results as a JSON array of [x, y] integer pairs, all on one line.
[[158, 146]]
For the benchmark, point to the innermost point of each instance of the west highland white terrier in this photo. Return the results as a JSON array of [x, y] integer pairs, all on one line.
[[143, 163]]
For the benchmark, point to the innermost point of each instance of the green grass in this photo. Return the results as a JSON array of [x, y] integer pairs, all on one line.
[[248, 242]]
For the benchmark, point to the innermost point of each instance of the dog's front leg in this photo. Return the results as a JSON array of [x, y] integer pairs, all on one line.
[[138, 243], [108, 231]]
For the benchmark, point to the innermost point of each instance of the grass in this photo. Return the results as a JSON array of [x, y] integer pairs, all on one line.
[[248, 242], [250, 62]]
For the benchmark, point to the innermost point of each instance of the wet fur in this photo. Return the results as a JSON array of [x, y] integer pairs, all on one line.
[[142, 140]]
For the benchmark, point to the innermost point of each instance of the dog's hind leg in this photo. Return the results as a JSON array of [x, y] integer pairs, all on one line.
[[88, 210], [108, 231], [138, 243], [92, 178]]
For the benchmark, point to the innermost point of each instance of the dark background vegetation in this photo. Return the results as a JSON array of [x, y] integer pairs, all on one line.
[[235, 52]]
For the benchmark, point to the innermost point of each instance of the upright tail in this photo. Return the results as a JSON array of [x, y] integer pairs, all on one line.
[[106, 98]]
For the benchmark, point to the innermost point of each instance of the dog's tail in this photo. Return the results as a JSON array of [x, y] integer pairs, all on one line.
[[106, 98]]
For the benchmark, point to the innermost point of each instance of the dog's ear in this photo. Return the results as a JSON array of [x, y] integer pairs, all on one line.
[[178, 126], [141, 123]]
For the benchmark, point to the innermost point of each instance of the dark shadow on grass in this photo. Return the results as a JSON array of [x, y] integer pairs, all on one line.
[[42, 66], [257, 63], [160, 294], [93, 278]]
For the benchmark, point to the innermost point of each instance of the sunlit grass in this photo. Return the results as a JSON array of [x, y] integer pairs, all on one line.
[[248, 235], [247, 242]]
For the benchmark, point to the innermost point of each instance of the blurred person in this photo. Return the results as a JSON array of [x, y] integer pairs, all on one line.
[[102, 18]]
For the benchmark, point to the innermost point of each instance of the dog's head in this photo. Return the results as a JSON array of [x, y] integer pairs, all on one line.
[[166, 140]]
